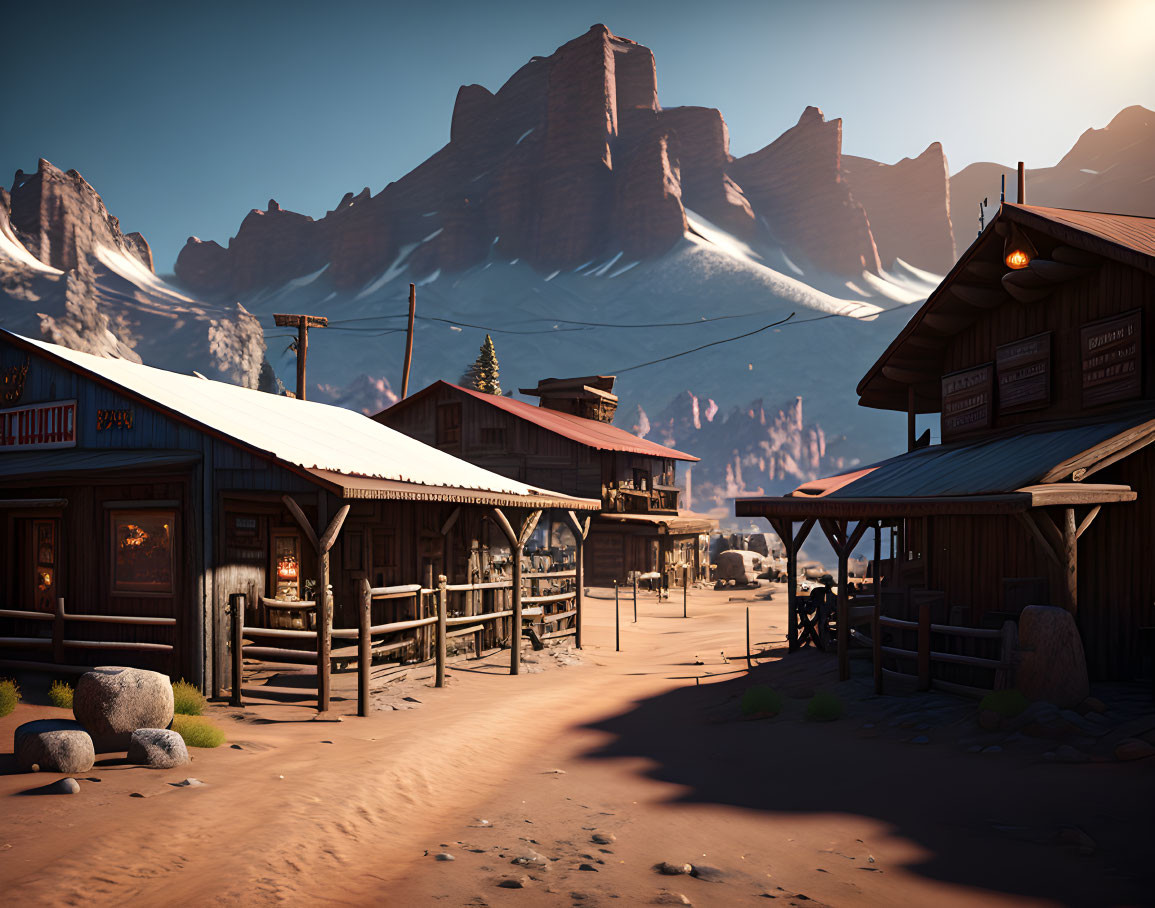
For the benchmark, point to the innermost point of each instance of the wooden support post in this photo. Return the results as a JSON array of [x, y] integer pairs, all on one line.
[[580, 530], [409, 342], [58, 632], [617, 622], [844, 611], [1022, 184], [422, 606], [791, 585], [324, 635], [924, 646], [748, 654], [876, 615], [442, 610], [1070, 562], [910, 418], [515, 632], [364, 649], [302, 323], [237, 613], [685, 590], [635, 573]]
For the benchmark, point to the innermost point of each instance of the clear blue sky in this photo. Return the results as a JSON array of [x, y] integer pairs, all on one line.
[[184, 116]]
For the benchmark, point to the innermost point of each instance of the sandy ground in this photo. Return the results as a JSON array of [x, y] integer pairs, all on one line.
[[593, 767]]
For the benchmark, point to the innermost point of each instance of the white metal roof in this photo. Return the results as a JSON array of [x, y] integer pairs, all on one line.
[[304, 433]]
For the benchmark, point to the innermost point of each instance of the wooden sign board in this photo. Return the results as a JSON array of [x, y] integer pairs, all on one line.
[[39, 426], [1023, 368], [967, 398], [1111, 351]]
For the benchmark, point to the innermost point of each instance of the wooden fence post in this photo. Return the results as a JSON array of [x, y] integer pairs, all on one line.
[[748, 655], [58, 632], [579, 580], [617, 622], [515, 631], [442, 609], [237, 611], [924, 646], [635, 573], [324, 635], [364, 651], [685, 590], [422, 606], [876, 615]]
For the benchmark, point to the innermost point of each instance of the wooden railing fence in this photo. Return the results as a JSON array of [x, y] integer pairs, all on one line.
[[59, 640], [548, 608]]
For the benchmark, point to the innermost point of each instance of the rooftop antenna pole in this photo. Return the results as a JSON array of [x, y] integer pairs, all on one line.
[[409, 342], [1022, 184], [302, 323], [982, 215]]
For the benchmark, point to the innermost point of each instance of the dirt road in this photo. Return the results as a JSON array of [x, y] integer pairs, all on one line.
[[645, 749]]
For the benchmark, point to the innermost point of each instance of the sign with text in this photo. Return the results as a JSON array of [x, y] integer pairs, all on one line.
[[966, 401], [1023, 368], [1111, 359], [38, 426]]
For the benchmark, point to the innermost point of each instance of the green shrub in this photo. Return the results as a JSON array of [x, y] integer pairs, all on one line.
[[761, 699], [1007, 703], [60, 695], [198, 731], [9, 696], [824, 707], [187, 699]]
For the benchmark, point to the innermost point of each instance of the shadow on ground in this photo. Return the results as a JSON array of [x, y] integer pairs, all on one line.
[[1005, 822]]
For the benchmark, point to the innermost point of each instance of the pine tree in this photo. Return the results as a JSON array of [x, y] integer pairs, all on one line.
[[483, 373]]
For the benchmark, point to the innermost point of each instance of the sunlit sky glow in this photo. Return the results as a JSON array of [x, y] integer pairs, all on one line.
[[185, 116]]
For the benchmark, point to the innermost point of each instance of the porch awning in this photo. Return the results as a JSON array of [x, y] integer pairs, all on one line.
[[1025, 467], [683, 523]]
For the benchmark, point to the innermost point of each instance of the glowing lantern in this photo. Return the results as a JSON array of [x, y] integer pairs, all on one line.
[[1018, 250], [287, 569]]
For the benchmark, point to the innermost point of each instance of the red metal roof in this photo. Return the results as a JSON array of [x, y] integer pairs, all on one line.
[[590, 432], [1129, 231]]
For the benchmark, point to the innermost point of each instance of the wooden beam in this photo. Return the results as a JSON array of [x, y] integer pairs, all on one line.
[[580, 528], [1088, 520], [302, 521], [803, 532], [503, 523], [326, 541], [1070, 562], [528, 527], [1038, 536], [452, 519], [1047, 526], [856, 536]]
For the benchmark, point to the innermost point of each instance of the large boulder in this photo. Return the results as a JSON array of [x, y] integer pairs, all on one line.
[[53, 745], [1053, 666], [112, 702], [738, 565], [161, 748]]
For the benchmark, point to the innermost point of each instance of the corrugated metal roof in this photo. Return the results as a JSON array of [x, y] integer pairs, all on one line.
[[599, 435], [306, 434], [990, 466]]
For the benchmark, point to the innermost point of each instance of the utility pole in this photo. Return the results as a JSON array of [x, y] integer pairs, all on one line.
[[302, 323], [409, 342]]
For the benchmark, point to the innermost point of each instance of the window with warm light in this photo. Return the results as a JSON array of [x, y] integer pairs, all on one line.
[[142, 551]]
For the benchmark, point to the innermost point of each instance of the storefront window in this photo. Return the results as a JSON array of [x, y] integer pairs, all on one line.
[[142, 551]]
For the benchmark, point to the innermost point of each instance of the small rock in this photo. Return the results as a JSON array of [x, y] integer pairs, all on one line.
[[1068, 754], [190, 783], [65, 787], [512, 884], [668, 869], [112, 702], [236, 747], [160, 748], [671, 898], [707, 874], [531, 859], [444, 856], [989, 719], [588, 867], [1134, 749], [604, 838], [1073, 835]]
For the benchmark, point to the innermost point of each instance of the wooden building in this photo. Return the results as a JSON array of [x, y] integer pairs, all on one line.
[[1038, 351], [640, 527], [134, 492]]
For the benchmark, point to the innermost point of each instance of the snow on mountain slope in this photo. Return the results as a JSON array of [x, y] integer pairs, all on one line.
[[611, 316]]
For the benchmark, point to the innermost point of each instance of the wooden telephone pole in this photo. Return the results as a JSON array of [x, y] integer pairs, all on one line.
[[302, 323], [409, 342]]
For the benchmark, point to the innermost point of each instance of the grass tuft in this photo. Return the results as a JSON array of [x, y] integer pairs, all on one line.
[[1007, 703], [60, 695], [187, 699], [9, 696], [824, 707], [761, 699], [198, 731]]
